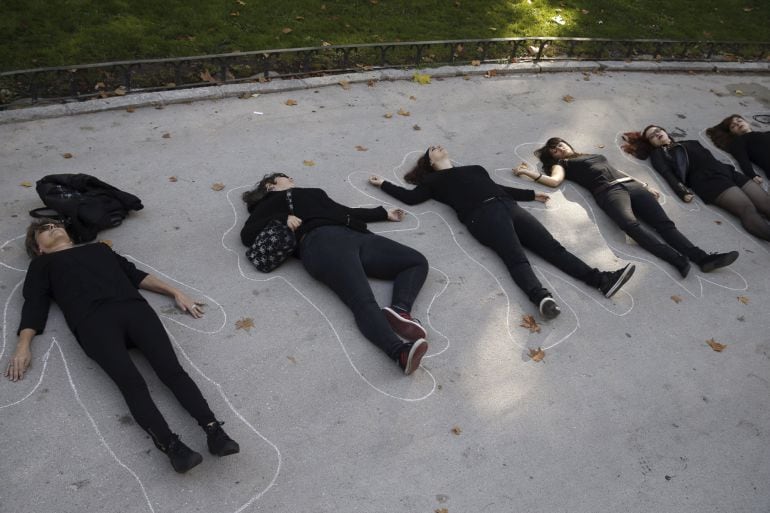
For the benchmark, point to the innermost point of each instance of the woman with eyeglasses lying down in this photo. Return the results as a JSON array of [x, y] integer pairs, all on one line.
[[96, 290], [690, 169], [337, 249]]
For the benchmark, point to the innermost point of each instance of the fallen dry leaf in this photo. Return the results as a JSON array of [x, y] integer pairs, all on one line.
[[130, 109], [290, 102], [567, 98], [388, 115], [738, 92], [370, 83], [345, 84], [442, 510], [67, 155], [456, 430], [120, 91], [166, 135], [676, 299], [716, 346], [718, 221], [584, 11], [402, 112], [466, 77], [217, 186], [491, 73], [529, 322], [172, 178], [361, 148], [325, 43], [748, 9], [600, 146], [537, 355], [235, 14], [308, 163], [416, 127], [26, 184], [286, 30], [107, 242], [475, 62], [299, 18], [413, 98], [244, 324], [206, 77], [240, 2], [743, 299], [292, 359], [421, 78]]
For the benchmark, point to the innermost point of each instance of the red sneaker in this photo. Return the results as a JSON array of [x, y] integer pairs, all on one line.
[[404, 325], [411, 355]]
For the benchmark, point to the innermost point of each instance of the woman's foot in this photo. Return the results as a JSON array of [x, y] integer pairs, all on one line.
[[182, 457], [411, 354], [611, 281], [548, 308], [219, 443], [714, 261], [404, 325]]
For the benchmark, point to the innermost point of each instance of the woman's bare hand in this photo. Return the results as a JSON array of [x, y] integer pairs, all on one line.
[[541, 197], [396, 214], [688, 198], [19, 363], [293, 222], [376, 181], [186, 304]]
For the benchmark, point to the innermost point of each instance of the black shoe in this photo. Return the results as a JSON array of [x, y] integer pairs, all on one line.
[[611, 281], [411, 354], [716, 260], [683, 268], [219, 443], [182, 457], [548, 308]]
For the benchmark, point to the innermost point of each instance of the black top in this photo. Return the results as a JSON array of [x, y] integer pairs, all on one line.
[[78, 279], [590, 171], [751, 147], [687, 164], [463, 188], [313, 206]]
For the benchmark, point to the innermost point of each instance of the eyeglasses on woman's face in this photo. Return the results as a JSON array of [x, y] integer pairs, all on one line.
[[48, 227]]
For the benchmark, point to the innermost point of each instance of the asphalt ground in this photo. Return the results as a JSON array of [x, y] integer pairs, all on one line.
[[629, 410]]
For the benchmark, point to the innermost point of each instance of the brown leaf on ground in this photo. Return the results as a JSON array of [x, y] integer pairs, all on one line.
[[244, 324], [466, 77], [600, 146], [263, 79], [491, 73], [475, 62], [292, 359], [206, 77], [676, 299], [743, 299], [456, 430], [537, 355], [718, 221], [402, 112], [26, 184], [567, 98], [299, 18], [414, 98], [120, 91], [416, 127], [107, 242], [166, 135], [748, 9], [130, 109], [325, 43], [287, 30], [67, 155], [240, 2], [529, 322], [172, 179], [291, 102], [388, 115], [308, 163], [370, 83], [716, 346], [345, 84], [442, 510], [361, 148], [235, 14], [217, 186]]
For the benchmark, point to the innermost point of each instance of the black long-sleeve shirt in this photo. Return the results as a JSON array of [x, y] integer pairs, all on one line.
[[313, 206], [78, 279], [751, 147], [591, 171], [463, 188]]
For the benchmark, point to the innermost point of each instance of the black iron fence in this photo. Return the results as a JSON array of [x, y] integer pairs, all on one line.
[[77, 83]]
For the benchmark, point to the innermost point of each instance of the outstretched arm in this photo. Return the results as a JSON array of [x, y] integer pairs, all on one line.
[[409, 196], [666, 170], [554, 180], [22, 357], [186, 304]]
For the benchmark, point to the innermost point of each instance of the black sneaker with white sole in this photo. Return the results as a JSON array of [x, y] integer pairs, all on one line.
[[714, 261], [611, 281], [548, 308]]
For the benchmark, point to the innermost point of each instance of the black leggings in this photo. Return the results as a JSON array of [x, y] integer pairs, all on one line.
[[342, 259], [504, 226], [749, 203], [623, 203], [105, 337]]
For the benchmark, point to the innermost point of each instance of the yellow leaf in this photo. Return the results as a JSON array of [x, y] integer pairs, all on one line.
[[421, 78], [738, 92], [456, 430], [491, 73], [361, 148], [567, 98], [676, 299], [291, 102], [67, 155], [26, 184], [308, 163], [537, 355], [325, 43], [442, 510], [120, 91], [402, 112], [529, 322], [743, 299], [716, 346], [345, 84], [217, 186], [388, 115], [245, 323], [475, 63]]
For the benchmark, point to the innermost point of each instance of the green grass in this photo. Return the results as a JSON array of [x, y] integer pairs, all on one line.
[[37, 33]]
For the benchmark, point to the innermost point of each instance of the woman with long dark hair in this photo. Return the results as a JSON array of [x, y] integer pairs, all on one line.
[[625, 200], [690, 169], [96, 289], [338, 250], [735, 136], [493, 217]]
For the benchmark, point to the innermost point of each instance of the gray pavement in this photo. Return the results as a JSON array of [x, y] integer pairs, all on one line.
[[630, 410]]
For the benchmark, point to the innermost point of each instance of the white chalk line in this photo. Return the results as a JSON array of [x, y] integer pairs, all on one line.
[[317, 309], [3, 247], [635, 257], [181, 350]]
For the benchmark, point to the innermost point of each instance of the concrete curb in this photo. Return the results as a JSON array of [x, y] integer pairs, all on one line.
[[161, 98]]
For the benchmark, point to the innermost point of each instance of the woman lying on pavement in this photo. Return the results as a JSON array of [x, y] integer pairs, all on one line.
[[493, 217], [734, 135], [96, 290], [336, 248]]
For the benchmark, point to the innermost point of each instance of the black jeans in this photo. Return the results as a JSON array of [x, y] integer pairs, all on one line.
[[106, 335], [628, 202], [504, 226], [342, 259]]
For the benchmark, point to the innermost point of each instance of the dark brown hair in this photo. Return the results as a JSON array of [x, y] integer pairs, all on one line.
[[720, 134], [422, 168], [549, 160], [254, 196], [30, 242], [636, 144]]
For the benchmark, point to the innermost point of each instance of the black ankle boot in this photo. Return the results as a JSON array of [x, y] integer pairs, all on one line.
[[219, 443], [182, 457]]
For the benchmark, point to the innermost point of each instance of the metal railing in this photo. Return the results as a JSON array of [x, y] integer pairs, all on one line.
[[82, 82]]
